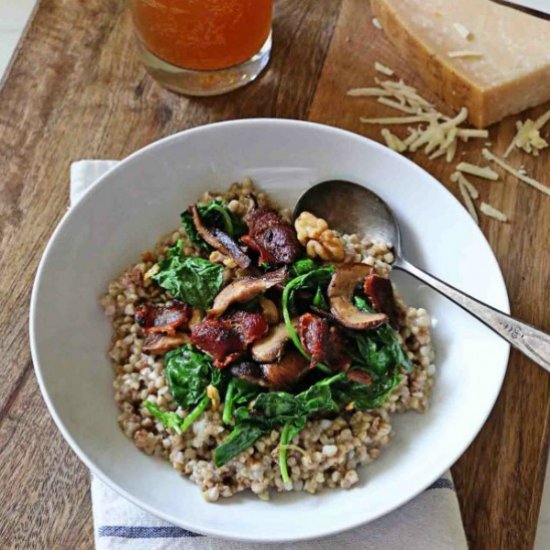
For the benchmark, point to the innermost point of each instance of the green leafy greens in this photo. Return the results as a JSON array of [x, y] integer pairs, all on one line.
[[239, 392], [194, 280], [301, 267], [213, 214], [189, 372], [274, 409], [251, 409], [175, 422], [378, 353], [308, 277]]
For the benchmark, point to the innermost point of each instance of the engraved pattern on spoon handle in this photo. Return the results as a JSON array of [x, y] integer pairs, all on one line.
[[534, 343]]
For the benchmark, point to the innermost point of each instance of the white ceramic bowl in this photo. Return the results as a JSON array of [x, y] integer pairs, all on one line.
[[140, 199]]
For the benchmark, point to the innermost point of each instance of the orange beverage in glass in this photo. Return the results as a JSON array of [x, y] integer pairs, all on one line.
[[203, 47]]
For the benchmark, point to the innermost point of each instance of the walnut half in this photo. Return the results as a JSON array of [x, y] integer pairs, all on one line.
[[320, 241]]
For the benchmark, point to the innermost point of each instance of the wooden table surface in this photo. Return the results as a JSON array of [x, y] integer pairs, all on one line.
[[76, 90]]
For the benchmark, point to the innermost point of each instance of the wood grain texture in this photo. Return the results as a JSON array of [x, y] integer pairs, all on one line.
[[499, 478], [76, 90]]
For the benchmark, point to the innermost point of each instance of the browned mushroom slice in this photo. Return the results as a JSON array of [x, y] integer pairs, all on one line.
[[271, 346], [380, 292], [244, 289], [340, 293], [286, 372], [219, 240], [159, 344], [249, 371]]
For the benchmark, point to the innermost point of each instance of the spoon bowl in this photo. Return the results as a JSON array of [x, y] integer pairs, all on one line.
[[351, 208]]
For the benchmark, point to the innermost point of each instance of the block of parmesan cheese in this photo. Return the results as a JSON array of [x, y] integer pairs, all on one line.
[[492, 59]]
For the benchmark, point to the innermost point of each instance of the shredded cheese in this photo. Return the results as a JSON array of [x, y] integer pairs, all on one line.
[[464, 53], [528, 136], [397, 105], [401, 91], [451, 151], [463, 31], [376, 23], [382, 69], [480, 171], [466, 133], [413, 135], [437, 154], [519, 175], [395, 120], [392, 141], [542, 120], [492, 212], [458, 177], [435, 133], [468, 202], [368, 92]]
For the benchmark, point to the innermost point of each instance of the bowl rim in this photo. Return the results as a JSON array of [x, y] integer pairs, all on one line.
[[96, 471]]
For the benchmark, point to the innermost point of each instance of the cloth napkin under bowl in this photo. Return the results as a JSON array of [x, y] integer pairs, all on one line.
[[431, 520]]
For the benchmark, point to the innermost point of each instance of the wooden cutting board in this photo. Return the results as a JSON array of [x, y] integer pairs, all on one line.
[[76, 90]]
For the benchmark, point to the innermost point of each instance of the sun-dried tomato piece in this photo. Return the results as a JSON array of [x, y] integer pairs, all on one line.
[[227, 338]]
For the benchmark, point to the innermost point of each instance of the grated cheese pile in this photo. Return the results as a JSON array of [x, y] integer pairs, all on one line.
[[434, 132], [438, 135], [528, 136]]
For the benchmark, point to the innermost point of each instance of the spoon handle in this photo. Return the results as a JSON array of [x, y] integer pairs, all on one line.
[[534, 343]]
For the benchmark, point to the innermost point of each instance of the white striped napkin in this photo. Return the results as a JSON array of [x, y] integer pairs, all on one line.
[[431, 520]]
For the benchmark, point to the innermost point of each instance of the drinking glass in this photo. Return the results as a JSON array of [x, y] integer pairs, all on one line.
[[203, 47]]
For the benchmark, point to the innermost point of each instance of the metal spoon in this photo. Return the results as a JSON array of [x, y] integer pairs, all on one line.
[[351, 208]]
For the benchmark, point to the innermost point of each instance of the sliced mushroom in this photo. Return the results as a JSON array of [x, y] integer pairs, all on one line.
[[380, 292], [219, 240], [340, 292], [159, 344], [249, 371], [243, 290], [271, 346], [286, 372]]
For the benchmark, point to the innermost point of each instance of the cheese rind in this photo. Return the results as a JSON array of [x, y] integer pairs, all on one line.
[[513, 72]]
